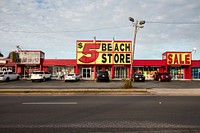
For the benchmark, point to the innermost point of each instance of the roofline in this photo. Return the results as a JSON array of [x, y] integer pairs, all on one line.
[[28, 51], [177, 52], [104, 40]]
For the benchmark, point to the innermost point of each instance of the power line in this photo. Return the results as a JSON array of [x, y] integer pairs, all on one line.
[[98, 29], [165, 22], [65, 31]]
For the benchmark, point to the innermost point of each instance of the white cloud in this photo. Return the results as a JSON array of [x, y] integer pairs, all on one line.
[[41, 20]]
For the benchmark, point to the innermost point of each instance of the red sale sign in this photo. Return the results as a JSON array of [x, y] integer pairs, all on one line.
[[179, 58]]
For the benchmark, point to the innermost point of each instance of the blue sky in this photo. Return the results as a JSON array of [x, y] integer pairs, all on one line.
[[54, 26]]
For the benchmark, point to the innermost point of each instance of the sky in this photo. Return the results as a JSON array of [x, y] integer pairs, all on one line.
[[53, 26]]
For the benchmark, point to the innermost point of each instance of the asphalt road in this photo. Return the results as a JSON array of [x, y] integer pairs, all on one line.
[[85, 84], [35, 114]]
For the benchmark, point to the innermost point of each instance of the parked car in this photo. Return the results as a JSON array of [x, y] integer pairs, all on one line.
[[163, 77], [103, 76], [139, 77], [72, 77], [40, 75], [7, 76]]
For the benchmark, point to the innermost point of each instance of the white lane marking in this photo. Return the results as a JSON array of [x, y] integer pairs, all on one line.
[[50, 103]]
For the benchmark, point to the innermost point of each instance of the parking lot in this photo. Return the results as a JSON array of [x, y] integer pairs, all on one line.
[[91, 84]]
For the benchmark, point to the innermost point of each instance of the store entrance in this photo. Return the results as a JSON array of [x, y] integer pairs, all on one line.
[[177, 72], [26, 71], [86, 73], [120, 72]]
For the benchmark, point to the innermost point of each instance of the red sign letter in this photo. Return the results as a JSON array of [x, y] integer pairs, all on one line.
[[169, 58], [187, 59], [87, 50]]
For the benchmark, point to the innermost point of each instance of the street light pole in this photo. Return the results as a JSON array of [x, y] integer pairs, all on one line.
[[137, 25], [133, 49]]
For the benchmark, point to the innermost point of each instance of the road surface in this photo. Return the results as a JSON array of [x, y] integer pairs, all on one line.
[[63, 114]]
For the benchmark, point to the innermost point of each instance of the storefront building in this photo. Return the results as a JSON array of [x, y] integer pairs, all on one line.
[[178, 64], [23, 62], [93, 56], [59, 67]]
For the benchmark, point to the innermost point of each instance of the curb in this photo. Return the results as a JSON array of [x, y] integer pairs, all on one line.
[[138, 91], [75, 91]]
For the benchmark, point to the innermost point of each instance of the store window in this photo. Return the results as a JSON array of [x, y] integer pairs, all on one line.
[[147, 71], [196, 73], [120, 72], [177, 72], [138, 69], [59, 71]]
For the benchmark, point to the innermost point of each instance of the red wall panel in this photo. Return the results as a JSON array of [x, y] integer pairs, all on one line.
[[59, 62], [149, 63]]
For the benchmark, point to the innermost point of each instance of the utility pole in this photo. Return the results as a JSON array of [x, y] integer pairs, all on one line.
[[136, 25]]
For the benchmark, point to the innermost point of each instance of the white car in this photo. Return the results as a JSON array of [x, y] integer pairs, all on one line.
[[72, 77], [40, 75], [7, 76]]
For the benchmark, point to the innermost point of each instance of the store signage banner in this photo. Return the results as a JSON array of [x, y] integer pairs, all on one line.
[[179, 58], [28, 58], [108, 52]]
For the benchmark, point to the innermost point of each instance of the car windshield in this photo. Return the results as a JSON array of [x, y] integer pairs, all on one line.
[[103, 73], [1, 73], [70, 74], [37, 72]]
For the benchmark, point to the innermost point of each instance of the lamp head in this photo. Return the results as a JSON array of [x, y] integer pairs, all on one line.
[[131, 19], [142, 22], [194, 50]]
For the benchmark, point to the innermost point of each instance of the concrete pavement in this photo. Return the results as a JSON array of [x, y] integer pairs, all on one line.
[[175, 92], [173, 88]]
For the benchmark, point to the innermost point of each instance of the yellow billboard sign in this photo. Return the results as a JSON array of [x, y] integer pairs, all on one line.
[[104, 52]]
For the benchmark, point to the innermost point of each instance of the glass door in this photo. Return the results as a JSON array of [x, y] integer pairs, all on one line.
[[120, 72], [86, 73]]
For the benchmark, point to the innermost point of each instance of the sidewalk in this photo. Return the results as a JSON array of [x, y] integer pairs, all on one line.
[[175, 92], [157, 92]]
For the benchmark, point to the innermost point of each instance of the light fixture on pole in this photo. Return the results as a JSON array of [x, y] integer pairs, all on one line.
[[194, 50], [18, 48], [137, 25]]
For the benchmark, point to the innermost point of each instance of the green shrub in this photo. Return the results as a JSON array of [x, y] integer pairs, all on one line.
[[127, 84]]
